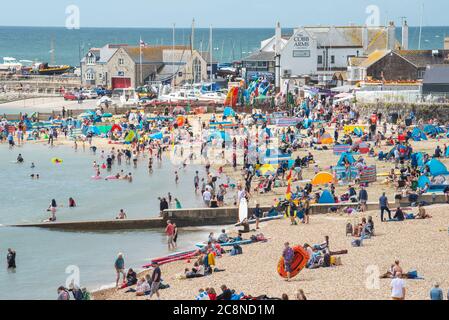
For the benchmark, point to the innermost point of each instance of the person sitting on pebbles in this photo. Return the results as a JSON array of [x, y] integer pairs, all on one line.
[[422, 214]]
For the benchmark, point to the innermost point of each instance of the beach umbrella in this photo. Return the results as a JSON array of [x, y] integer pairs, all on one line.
[[323, 178]]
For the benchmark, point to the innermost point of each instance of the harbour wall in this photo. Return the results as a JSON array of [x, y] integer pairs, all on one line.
[[425, 111], [194, 217]]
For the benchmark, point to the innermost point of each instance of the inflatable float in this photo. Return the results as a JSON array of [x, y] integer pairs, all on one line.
[[299, 262], [111, 178], [226, 244], [96, 177], [56, 161]]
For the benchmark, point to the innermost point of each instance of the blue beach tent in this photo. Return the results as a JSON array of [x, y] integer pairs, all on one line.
[[418, 134], [346, 156], [422, 181], [326, 198], [437, 168]]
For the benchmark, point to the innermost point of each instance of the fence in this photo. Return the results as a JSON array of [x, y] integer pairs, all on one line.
[[402, 96]]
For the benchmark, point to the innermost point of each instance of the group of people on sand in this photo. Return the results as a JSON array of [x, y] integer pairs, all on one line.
[[147, 285]]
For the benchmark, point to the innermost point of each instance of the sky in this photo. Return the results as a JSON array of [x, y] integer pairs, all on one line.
[[229, 13]]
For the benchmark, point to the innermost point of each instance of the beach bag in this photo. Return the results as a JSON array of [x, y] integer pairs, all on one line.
[[412, 274]]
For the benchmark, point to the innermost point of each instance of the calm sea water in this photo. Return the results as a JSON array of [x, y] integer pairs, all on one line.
[[43, 255], [34, 43]]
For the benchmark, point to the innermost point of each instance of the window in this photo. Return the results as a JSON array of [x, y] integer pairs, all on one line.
[[332, 59], [121, 74], [90, 59], [121, 61], [262, 64], [421, 74], [90, 76], [320, 59], [100, 76]]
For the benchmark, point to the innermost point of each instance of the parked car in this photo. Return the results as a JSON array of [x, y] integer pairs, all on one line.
[[73, 96], [103, 92], [90, 94]]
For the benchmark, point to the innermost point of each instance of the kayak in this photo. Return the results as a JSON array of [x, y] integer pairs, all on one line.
[[172, 256], [226, 244], [253, 221]]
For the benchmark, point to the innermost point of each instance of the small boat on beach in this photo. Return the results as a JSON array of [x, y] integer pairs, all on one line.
[[10, 64], [45, 69]]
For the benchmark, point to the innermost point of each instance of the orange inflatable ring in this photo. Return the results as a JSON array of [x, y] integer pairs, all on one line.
[[299, 262]]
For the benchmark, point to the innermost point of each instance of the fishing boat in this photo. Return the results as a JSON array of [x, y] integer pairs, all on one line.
[[10, 64], [45, 69]]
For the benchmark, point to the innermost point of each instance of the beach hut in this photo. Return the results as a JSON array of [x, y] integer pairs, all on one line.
[[325, 139], [436, 168], [326, 198], [323, 178]]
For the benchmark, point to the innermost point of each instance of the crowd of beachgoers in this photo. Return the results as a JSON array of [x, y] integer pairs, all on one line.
[[316, 153]]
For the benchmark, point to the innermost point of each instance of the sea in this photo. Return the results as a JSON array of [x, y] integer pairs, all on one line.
[[229, 44], [47, 259]]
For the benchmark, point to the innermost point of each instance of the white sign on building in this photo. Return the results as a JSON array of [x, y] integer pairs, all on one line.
[[299, 56]]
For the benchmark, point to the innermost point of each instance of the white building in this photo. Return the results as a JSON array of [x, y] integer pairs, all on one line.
[[322, 53]]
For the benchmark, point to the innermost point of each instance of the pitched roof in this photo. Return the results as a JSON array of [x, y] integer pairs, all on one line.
[[150, 54], [373, 58], [424, 58], [438, 74], [261, 56]]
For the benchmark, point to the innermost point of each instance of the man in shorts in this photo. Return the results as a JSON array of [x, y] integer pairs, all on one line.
[[170, 232]]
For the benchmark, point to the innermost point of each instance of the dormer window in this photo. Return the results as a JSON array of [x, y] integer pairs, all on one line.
[[90, 59]]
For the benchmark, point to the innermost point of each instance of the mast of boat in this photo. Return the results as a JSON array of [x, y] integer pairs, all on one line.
[[211, 49], [173, 54], [420, 26], [222, 50], [52, 52], [192, 40]]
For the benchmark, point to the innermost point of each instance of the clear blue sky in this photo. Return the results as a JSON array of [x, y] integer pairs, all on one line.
[[229, 13]]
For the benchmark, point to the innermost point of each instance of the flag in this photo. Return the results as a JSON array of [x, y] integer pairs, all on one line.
[[288, 193]]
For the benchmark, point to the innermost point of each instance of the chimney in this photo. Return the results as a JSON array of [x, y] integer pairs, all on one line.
[[446, 43], [405, 35], [365, 38], [278, 38], [391, 36]]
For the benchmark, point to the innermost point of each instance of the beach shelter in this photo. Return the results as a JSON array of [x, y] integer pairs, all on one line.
[[346, 157], [418, 134], [267, 169], [326, 198], [323, 178], [437, 168], [130, 136], [358, 131], [422, 181], [156, 136], [116, 127], [228, 112], [417, 159], [325, 139]]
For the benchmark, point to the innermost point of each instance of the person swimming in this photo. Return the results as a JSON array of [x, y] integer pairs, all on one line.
[[32, 165], [20, 158]]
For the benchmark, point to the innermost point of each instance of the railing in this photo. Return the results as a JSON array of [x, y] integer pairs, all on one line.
[[403, 96]]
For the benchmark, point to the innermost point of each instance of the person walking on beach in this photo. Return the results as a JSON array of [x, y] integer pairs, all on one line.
[[155, 280], [398, 287], [196, 181], [11, 259], [175, 235], [436, 293], [288, 256], [119, 268], [383, 204], [363, 198], [170, 232]]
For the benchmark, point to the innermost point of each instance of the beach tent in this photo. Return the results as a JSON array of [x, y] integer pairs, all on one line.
[[323, 178], [116, 127], [433, 129], [130, 136], [325, 139], [418, 134], [447, 153], [346, 157], [417, 159], [358, 132], [326, 198], [422, 181], [437, 168], [228, 112], [267, 169], [104, 129]]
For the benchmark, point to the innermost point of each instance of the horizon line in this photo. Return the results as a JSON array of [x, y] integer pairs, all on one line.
[[218, 27]]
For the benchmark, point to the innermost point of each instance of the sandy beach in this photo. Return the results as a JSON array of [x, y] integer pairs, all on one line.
[[419, 245]]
